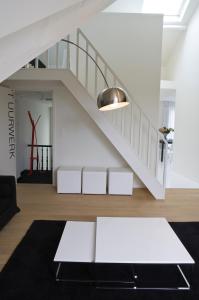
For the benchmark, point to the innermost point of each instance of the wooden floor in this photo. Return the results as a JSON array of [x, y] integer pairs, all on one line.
[[41, 202]]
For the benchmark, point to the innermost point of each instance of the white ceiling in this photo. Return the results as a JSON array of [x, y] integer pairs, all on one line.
[[137, 6]]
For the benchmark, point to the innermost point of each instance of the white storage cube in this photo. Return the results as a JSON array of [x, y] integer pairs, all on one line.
[[94, 181], [69, 180], [120, 181]]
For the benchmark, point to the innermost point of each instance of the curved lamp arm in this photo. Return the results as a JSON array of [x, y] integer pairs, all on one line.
[[72, 43], [109, 98]]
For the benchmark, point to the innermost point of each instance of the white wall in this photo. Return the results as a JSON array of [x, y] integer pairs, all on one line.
[[7, 132], [131, 44], [76, 138], [183, 67], [36, 104], [170, 38]]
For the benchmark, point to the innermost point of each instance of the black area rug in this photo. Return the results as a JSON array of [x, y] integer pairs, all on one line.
[[30, 272]]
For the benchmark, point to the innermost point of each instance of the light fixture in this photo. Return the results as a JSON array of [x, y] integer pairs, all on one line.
[[111, 97]]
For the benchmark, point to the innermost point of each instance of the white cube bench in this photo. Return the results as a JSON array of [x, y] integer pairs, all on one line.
[[69, 180], [120, 181], [94, 180]]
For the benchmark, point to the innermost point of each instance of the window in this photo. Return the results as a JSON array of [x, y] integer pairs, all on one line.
[[173, 10], [165, 7]]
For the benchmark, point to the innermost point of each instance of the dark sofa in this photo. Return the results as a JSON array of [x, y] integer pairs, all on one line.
[[8, 204]]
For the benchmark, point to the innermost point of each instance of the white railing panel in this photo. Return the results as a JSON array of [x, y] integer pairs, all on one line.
[[127, 122], [118, 119], [110, 77], [82, 59], [91, 73], [144, 142], [61, 55], [52, 57], [100, 80], [71, 52], [136, 129], [109, 115]]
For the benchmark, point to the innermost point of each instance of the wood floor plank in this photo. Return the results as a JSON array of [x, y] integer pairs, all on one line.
[[41, 202]]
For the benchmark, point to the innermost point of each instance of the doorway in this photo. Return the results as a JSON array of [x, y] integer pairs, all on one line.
[[34, 155], [167, 120]]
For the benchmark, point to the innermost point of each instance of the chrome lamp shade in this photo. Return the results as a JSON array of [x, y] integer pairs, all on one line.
[[112, 98]]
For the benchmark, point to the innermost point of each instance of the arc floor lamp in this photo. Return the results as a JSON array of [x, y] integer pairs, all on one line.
[[111, 97]]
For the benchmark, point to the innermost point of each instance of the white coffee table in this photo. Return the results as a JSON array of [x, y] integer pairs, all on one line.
[[131, 241]]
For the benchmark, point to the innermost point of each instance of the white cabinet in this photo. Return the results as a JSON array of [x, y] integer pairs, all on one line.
[[69, 180], [94, 181], [120, 181]]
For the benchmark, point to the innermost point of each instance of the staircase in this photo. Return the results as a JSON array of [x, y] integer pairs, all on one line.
[[130, 131]]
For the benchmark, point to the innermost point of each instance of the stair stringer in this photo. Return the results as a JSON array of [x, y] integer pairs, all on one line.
[[89, 105]]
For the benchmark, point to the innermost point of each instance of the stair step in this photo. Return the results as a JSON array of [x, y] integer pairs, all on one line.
[[36, 177]]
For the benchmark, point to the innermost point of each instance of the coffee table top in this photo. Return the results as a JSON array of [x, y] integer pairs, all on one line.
[[77, 243], [122, 240], [138, 240]]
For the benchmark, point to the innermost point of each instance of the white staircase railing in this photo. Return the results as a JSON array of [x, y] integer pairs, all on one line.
[[132, 123]]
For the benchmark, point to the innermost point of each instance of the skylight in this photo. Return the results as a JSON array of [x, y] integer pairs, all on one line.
[[175, 11], [165, 7]]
